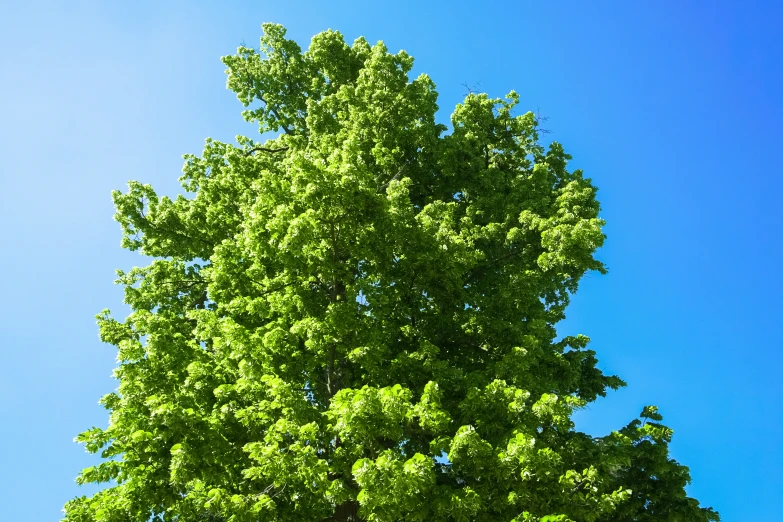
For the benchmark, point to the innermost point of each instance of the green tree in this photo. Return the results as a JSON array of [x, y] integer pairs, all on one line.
[[355, 319]]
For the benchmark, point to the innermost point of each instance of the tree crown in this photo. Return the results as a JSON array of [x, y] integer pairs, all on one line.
[[355, 319]]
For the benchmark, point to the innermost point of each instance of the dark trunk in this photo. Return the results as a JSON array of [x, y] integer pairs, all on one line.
[[345, 512]]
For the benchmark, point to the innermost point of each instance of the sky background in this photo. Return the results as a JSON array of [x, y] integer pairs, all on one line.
[[672, 107]]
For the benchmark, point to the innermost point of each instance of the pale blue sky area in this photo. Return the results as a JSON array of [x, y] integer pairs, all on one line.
[[672, 107]]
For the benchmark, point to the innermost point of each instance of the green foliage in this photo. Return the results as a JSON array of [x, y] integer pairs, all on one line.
[[359, 314]]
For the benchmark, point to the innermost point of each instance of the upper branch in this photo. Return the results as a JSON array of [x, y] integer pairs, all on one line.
[[265, 149]]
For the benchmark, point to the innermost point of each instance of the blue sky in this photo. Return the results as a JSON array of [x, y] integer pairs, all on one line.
[[672, 108]]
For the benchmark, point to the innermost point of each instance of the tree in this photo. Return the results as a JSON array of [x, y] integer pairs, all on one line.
[[355, 319]]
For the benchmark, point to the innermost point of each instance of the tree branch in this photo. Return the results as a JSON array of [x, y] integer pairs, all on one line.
[[395, 177], [188, 282], [492, 262], [277, 115], [265, 149]]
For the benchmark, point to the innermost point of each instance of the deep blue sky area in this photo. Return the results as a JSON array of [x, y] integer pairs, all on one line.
[[673, 108]]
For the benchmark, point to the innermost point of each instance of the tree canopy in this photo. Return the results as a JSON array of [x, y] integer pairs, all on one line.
[[354, 319]]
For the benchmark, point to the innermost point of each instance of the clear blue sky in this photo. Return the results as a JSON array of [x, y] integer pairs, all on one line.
[[673, 108]]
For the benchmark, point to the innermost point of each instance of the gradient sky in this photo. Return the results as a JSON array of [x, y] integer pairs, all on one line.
[[673, 108]]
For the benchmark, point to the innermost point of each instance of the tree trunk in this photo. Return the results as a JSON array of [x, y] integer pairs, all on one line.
[[345, 512]]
